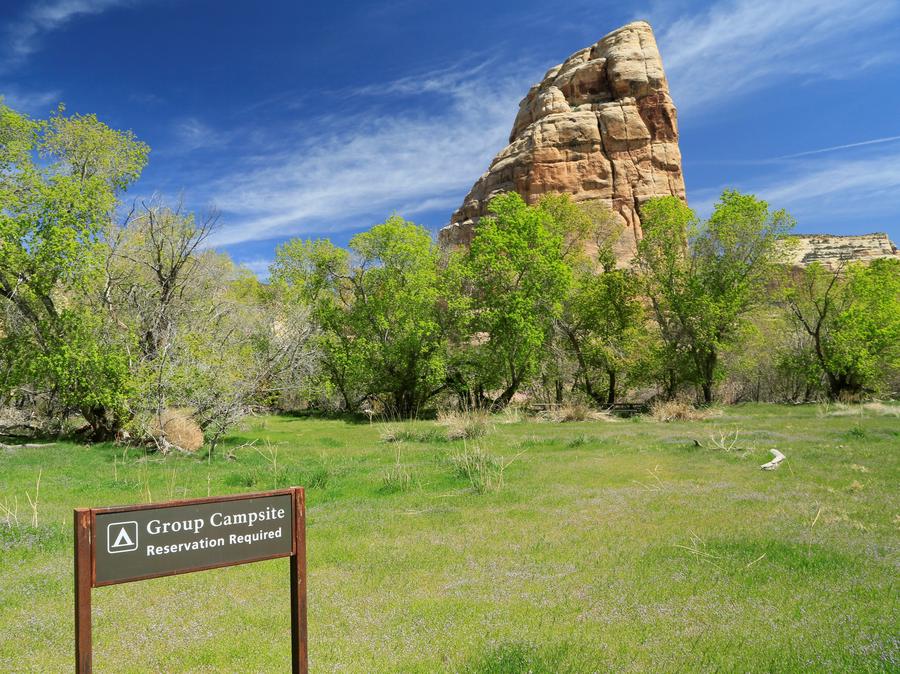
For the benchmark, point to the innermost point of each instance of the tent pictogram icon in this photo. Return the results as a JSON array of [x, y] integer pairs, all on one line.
[[121, 537]]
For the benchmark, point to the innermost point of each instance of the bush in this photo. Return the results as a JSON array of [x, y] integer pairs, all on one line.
[[573, 412], [676, 410], [175, 429], [465, 425]]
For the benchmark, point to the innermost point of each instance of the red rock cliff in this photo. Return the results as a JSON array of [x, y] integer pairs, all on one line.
[[600, 126]]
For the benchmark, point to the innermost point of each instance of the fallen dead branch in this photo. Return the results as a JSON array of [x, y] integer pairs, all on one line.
[[773, 464]]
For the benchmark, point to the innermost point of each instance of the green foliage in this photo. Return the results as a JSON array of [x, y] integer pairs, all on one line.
[[92, 150], [605, 330], [118, 323], [518, 275], [316, 274], [849, 319], [377, 307], [92, 374], [52, 213], [704, 278]]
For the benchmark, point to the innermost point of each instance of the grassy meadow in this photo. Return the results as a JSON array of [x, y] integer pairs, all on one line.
[[625, 545]]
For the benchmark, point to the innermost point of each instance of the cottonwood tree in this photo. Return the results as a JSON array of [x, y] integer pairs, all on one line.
[[604, 329], [703, 279], [60, 180], [315, 274], [850, 319], [167, 243], [516, 273], [602, 326], [376, 306]]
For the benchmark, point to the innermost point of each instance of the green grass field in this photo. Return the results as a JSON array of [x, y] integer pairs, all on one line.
[[610, 546]]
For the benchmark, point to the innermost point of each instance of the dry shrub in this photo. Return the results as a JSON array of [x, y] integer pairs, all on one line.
[[465, 424], [676, 410], [175, 429], [573, 412]]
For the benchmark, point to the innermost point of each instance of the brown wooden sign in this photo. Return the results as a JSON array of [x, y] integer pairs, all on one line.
[[129, 543]]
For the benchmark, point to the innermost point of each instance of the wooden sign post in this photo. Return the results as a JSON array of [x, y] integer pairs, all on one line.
[[128, 543]]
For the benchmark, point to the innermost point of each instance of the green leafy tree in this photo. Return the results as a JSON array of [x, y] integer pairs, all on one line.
[[59, 184], [377, 307], [316, 274], [850, 317], [517, 274], [604, 327], [703, 279]]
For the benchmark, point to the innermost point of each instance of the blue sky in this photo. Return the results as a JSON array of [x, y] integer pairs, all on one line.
[[308, 118]]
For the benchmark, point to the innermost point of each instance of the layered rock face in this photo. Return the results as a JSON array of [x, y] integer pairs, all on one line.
[[832, 250], [600, 126]]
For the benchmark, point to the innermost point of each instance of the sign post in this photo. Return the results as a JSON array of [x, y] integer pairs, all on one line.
[[129, 543]]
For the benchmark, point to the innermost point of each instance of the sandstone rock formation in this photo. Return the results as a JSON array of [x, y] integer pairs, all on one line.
[[600, 126], [832, 250]]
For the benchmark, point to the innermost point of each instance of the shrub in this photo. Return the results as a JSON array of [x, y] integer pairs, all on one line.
[[465, 425], [675, 410], [573, 412], [176, 429]]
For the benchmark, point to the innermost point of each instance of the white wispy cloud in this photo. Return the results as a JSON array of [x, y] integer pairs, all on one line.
[[38, 103], [417, 143], [192, 133], [866, 185], [737, 47], [24, 34], [344, 168], [863, 184], [845, 146]]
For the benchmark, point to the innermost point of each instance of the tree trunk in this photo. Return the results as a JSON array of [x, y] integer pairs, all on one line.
[[611, 395], [103, 427], [504, 399], [708, 372]]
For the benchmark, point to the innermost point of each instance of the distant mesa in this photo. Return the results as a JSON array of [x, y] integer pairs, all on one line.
[[832, 250], [602, 126]]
